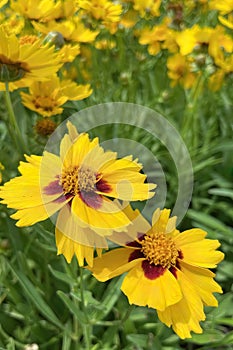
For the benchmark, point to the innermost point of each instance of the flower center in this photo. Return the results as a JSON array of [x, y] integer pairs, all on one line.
[[159, 249], [11, 71], [75, 179]]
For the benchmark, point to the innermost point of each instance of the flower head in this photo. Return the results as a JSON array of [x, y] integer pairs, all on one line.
[[21, 62], [47, 98], [102, 9], [79, 185], [167, 270]]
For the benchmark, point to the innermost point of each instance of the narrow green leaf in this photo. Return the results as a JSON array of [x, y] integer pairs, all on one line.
[[32, 293], [221, 192], [61, 276], [208, 220], [140, 340], [209, 336], [110, 297], [74, 309]]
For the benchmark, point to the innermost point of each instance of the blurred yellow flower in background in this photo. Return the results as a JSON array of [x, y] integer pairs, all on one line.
[[179, 71], [47, 98], [104, 10], [21, 63]]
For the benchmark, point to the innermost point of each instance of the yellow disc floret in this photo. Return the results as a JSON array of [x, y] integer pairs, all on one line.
[[75, 179], [159, 249]]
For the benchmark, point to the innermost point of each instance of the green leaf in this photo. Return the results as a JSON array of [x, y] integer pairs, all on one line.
[[61, 276], [110, 297], [74, 309], [221, 192], [32, 293], [208, 336], [209, 220], [140, 340]]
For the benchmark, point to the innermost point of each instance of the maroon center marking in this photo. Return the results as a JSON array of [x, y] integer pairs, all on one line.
[[53, 188], [134, 244], [152, 271], [181, 255], [173, 270], [103, 186], [136, 254], [91, 199]]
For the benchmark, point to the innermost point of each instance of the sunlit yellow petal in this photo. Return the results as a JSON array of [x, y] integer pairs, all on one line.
[[69, 248], [185, 315], [158, 293], [203, 281], [113, 264], [68, 224], [109, 216]]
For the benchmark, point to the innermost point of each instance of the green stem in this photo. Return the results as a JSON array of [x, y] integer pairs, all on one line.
[[13, 126], [190, 129], [87, 325]]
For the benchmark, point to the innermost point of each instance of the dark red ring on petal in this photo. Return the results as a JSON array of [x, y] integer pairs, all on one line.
[[91, 199], [136, 254], [152, 271], [103, 186], [53, 188]]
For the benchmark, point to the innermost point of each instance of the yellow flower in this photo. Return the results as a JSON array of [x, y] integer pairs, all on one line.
[[12, 23], [46, 98], [227, 22], [179, 71], [80, 185], [145, 6], [43, 10], [68, 52], [153, 37], [72, 30], [3, 2], [167, 270], [223, 6], [103, 10], [220, 45], [194, 37], [20, 63]]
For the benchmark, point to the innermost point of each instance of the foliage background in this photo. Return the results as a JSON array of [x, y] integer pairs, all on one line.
[[40, 297]]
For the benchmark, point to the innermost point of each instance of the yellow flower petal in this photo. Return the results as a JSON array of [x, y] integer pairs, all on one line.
[[199, 252], [108, 217], [202, 280], [185, 315], [113, 264], [158, 293], [160, 220], [78, 150], [69, 248], [68, 224]]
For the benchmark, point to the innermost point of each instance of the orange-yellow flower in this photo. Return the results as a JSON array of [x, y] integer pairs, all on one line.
[[79, 184], [167, 270], [179, 71], [21, 62], [47, 98]]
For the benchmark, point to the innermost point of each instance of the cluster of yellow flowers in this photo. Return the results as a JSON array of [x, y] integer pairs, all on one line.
[[48, 41], [91, 190]]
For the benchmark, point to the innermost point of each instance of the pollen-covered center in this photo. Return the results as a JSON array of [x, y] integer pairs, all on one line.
[[159, 249], [76, 179]]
